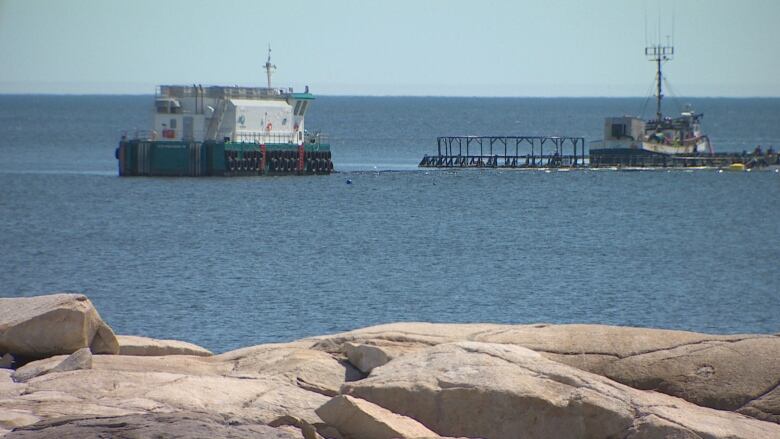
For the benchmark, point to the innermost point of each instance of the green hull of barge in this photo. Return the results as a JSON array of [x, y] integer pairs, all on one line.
[[194, 159]]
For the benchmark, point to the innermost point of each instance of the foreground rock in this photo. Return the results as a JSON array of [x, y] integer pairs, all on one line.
[[42, 326], [731, 372], [81, 359], [153, 425], [368, 356], [497, 391], [144, 346], [401, 380], [309, 369], [274, 385], [6, 361], [357, 418]]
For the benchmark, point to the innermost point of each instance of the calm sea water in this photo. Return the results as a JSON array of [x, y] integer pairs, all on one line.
[[229, 262]]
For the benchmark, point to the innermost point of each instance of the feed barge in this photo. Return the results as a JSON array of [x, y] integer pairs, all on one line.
[[226, 131]]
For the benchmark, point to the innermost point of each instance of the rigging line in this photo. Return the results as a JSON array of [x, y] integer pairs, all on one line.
[[675, 97], [645, 23], [674, 12], [648, 94]]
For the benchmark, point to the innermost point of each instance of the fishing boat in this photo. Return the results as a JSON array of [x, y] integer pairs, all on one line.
[[227, 131], [632, 141]]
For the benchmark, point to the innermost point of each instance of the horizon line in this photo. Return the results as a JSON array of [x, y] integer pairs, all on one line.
[[422, 96]]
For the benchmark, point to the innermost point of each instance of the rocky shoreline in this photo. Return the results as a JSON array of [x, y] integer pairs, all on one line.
[[66, 374]]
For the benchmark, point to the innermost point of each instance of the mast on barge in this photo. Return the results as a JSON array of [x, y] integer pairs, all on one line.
[[658, 53], [269, 68]]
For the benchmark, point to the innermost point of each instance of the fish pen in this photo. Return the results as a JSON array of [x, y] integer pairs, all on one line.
[[507, 152]]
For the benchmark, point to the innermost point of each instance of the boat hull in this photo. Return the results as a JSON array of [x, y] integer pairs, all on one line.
[[646, 153], [194, 159], [603, 157], [699, 145]]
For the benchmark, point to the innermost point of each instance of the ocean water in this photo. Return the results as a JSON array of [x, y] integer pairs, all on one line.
[[231, 262]]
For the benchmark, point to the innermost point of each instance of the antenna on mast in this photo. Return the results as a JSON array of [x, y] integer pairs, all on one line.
[[269, 68], [658, 35], [645, 24], [658, 53]]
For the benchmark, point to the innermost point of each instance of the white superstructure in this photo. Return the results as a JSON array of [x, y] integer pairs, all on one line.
[[236, 114], [682, 135]]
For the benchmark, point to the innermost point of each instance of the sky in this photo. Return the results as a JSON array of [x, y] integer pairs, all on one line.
[[400, 47]]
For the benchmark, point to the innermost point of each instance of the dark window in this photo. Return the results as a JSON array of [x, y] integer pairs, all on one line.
[[618, 130], [173, 123]]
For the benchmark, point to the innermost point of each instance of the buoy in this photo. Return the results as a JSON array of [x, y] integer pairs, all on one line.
[[349, 181], [736, 167]]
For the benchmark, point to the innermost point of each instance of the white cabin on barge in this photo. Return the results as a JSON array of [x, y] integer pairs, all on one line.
[[236, 114]]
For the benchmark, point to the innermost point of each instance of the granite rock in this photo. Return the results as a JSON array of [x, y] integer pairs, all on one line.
[[184, 425], [366, 357], [144, 346], [42, 326], [730, 372], [498, 391], [359, 419], [81, 359], [6, 361]]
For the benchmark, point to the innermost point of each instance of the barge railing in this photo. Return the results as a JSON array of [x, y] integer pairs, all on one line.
[[258, 137]]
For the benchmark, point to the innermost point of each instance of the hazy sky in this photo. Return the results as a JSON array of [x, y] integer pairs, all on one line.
[[400, 47]]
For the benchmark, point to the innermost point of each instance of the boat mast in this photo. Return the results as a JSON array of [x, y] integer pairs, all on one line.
[[269, 68], [658, 53]]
